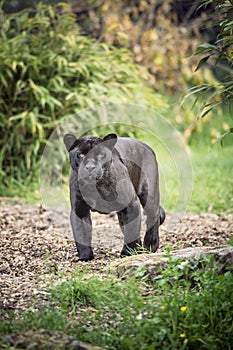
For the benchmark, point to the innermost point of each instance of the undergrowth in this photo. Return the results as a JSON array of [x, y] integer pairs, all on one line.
[[187, 306]]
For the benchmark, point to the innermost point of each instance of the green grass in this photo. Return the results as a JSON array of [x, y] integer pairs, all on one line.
[[185, 307], [212, 177], [213, 180], [211, 185], [212, 164], [212, 167]]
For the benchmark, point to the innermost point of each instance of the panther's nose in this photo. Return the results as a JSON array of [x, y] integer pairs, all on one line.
[[90, 167]]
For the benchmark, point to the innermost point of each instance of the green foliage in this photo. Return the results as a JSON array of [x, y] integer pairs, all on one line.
[[49, 71], [188, 305], [220, 56], [160, 34]]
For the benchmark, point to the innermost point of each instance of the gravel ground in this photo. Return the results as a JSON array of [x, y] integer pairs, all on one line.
[[37, 245]]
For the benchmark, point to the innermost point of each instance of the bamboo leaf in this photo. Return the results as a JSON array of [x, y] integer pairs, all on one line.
[[202, 62], [206, 47], [33, 122], [223, 136]]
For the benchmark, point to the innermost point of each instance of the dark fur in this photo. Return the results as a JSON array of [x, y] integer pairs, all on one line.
[[113, 174]]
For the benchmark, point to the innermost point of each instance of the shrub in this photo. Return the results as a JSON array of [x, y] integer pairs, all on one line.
[[48, 71], [219, 55]]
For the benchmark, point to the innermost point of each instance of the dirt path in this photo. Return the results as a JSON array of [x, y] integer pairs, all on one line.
[[37, 245]]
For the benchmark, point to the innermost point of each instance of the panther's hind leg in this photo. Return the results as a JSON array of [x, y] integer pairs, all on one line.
[[150, 203]]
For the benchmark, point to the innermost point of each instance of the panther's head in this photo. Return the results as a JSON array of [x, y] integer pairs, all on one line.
[[90, 153]]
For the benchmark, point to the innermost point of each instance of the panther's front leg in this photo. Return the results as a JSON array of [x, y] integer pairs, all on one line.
[[82, 230], [151, 239], [130, 223]]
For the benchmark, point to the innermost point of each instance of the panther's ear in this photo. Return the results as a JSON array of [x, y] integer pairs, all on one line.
[[69, 140], [110, 140]]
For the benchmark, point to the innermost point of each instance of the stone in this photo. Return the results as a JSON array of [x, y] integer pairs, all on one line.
[[149, 264], [45, 339]]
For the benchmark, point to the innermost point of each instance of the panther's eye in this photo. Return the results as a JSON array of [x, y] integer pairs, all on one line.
[[101, 156], [81, 155]]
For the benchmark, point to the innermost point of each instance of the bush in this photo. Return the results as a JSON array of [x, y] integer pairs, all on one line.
[[220, 56], [48, 71]]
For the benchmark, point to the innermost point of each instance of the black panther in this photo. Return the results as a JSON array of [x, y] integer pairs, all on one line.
[[114, 174]]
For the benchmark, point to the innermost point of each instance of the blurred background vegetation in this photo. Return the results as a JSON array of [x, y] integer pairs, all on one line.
[[173, 56]]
